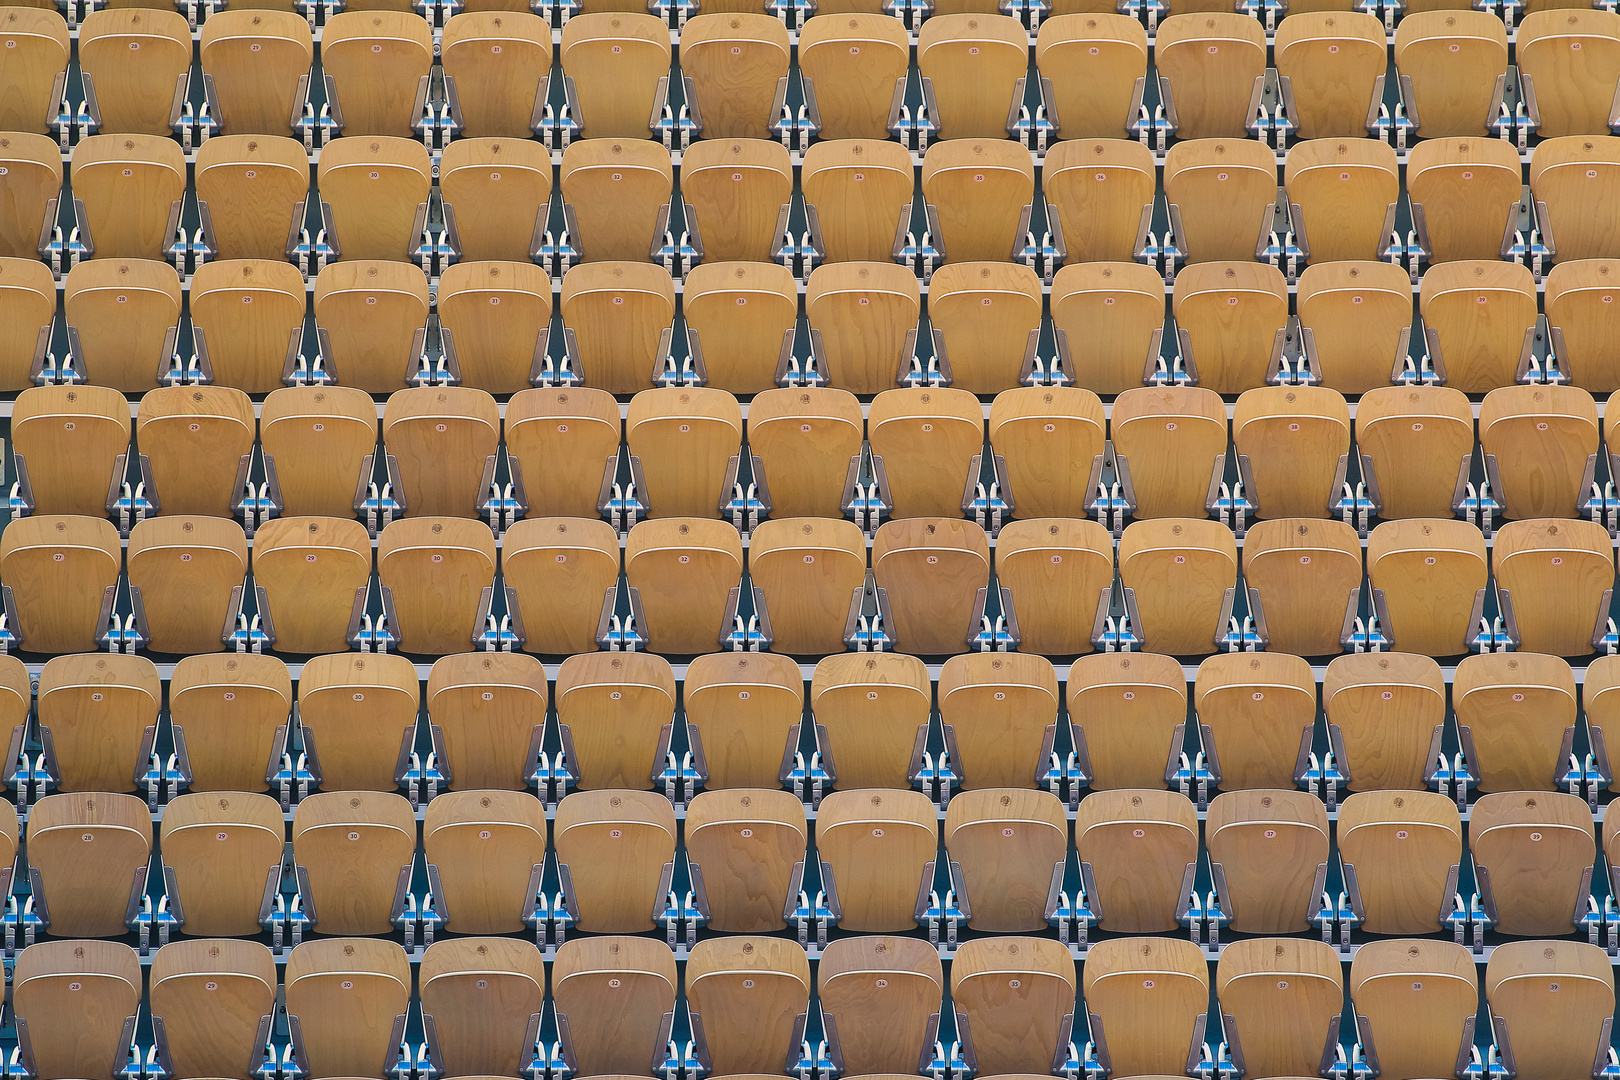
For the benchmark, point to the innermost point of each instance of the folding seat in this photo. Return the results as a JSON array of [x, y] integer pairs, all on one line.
[[743, 845], [1342, 195], [375, 63], [1126, 712], [1222, 194], [1357, 319], [856, 194], [1147, 1000], [1179, 570], [1384, 711], [485, 850], [1400, 851], [350, 848], [184, 570], [86, 891], [130, 187], [852, 61], [1052, 568], [616, 994], [1514, 711], [221, 856], [233, 712], [16, 702], [255, 63], [739, 191], [484, 996], [1572, 94], [1020, 1029], [1465, 196], [561, 439], [121, 318], [874, 843], [1300, 568], [251, 194], [97, 714], [1557, 575], [1540, 440], [807, 438], [347, 997], [1415, 1000], [807, 570], [33, 165], [1172, 439], [37, 47], [436, 569], [986, 316], [614, 849], [1292, 441], [1010, 844], [1578, 305], [880, 1001], [1135, 846], [196, 439], [684, 436], [927, 438], [308, 571], [1268, 852], [497, 198], [1280, 1002], [683, 570], [932, 569], [205, 1031], [734, 63], [1426, 575], [315, 441], [862, 316], [246, 315], [980, 189], [78, 1002], [1479, 318], [1095, 65], [871, 713], [1571, 180], [374, 194], [1330, 61], [748, 997], [1217, 59], [613, 709], [615, 193], [614, 61], [744, 347], [489, 710], [1233, 318], [67, 441], [1550, 1002], [560, 568], [743, 711], [999, 712], [372, 319], [1533, 853], [1450, 65], [619, 313], [494, 63], [1413, 442], [972, 64], [1254, 709], [441, 438], [28, 308], [58, 569], [138, 61], [354, 706]]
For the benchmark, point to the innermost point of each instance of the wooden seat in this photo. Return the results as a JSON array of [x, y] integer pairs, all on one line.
[[877, 842], [615, 844], [1223, 193], [734, 61], [87, 889], [371, 314], [1536, 850], [863, 313], [1283, 997], [1553, 998], [58, 569], [931, 568], [1054, 567], [880, 994], [614, 189], [1127, 710], [497, 59], [807, 568], [121, 311], [1578, 300], [33, 165], [185, 569], [1110, 316], [855, 192], [441, 437], [1331, 60], [684, 569], [436, 569], [1481, 314], [1417, 998], [1138, 842], [253, 60], [77, 998], [614, 993], [684, 436], [1414, 440], [561, 439], [873, 709], [1403, 846], [1464, 192], [1051, 439], [612, 708], [1429, 570], [1169, 437], [1254, 709], [749, 993], [207, 1031], [742, 315], [980, 187], [68, 438], [316, 439], [1099, 190], [498, 314], [1573, 94], [346, 994], [129, 186], [739, 191], [1009, 843], [233, 712], [1345, 190], [1094, 63], [1557, 573], [498, 192], [1146, 998], [560, 568], [1385, 707], [374, 187], [28, 308], [1541, 439], [249, 312], [1574, 176], [618, 311], [807, 439], [1232, 314], [984, 314], [615, 59], [353, 846], [97, 709], [1215, 58], [310, 569], [744, 842], [1301, 568], [745, 709], [1266, 848], [220, 848], [37, 47], [356, 707], [490, 709], [377, 59], [135, 56], [16, 702], [973, 62], [195, 438], [486, 846], [927, 438], [999, 712], [1453, 59], [483, 995], [1179, 570], [1022, 1028], [852, 61], [1515, 746], [1356, 316], [1294, 439]]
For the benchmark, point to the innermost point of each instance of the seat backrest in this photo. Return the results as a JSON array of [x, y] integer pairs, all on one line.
[[28, 309], [122, 346], [618, 312], [1468, 188], [1127, 708], [1599, 699], [491, 710], [134, 57], [1225, 191], [560, 568], [1556, 572], [684, 436], [615, 59], [436, 568], [371, 314], [561, 440], [441, 437], [853, 61], [927, 437], [483, 994], [745, 843], [1554, 998], [69, 437], [979, 186], [1139, 843], [1283, 995], [1108, 315], [97, 707], [208, 1031], [375, 185], [1269, 844], [249, 311], [1054, 567], [377, 59], [1015, 1029], [253, 189], [1170, 437], [255, 58], [1344, 189], [1430, 571], [1304, 571], [1569, 88], [1403, 845], [1453, 59], [37, 48], [876, 841], [614, 992], [486, 846], [346, 993], [1233, 314], [684, 569], [496, 313], [1536, 847], [1416, 995], [33, 166], [734, 61], [746, 709], [737, 189], [931, 568], [500, 193], [1147, 994], [1356, 314], [195, 438], [354, 845], [1179, 570], [1093, 62], [1579, 302], [1331, 60], [75, 996], [221, 848], [880, 993], [310, 569], [58, 569], [1214, 58], [1000, 708], [1385, 707], [862, 313], [233, 709], [358, 706], [984, 313], [748, 991], [973, 61], [318, 437], [1256, 707], [1099, 189], [615, 843], [1294, 438], [613, 707], [808, 569], [1416, 439], [1516, 707], [185, 569], [857, 189], [872, 707], [1482, 314], [1008, 843], [87, 888], [1542, 438], [807, 438], [497, 59], [616, 188], [742, 314]]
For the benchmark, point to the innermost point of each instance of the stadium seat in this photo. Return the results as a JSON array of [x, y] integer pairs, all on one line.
[[932, 568], [67, 441], [28, 306], [807, 438], [1253, 709], [370, 316], [1384, 709], [880, 1001], [1342, 195], [1550, 1002], [614, 60], [1147, 998], [1022, 1031], [743, 710], [999, 712], [86, 892], [355, 706], [1429, 572], [1171, 439], [1557, 573], [1356, 318], [871, 714], [347, 996], [855, 193], [1222, 194], [1449, 64], [1101, 191], [1408, 438], [218, 850], [309, 569], [1233, 316], [204, 1030], [497, 61], [1541, 440], [684, 436], [1053, 568], [1179, 570], [96, 713], [1051, 439], [1127, 709], [247, 313], [1415, 1001], [1135, 845], [138, 60], [251, 193], [683, 569], [1332, 61], [561, 440], [1480, 316], [980, 188], [614, 192], [495, 346], [352, 847], [33, 165], [254, 62], [120, 315], [1266, 850], [376, 60], [1533, 853], [1578, 306], [16, 702], [615, 994], [743, 844], [748, 998], [560, 568], [374, 194], [28, 90], [740, 191], [1095, 65], [861, 315], [743, 347], [615, 844], [232, 710], [1573, 178], [1280, 1000], [972, 63], [1405, 887], [436, 568], [875, 842], [486, 849], [612, 708], [1300, 568], [1009, 843], [78, 1001], [1216, 58], [497, 198], [195, 439], [1110, 317], [619, 313], [58, 569], [852, 61], [1512, 746], [807, 569], [734, 62], [490, 711], [1464, 193], [927, 438], [484, 996], [441, 437], [1573, 94], [1292, 440], [984, 315], [185, 569]]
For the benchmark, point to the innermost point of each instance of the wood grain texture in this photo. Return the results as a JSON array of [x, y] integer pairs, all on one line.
[[1480, 311], [734, 61], [1293, 438], [1467, 187], [1269, 843], [1148, 993], [1138, 842], [1222, 188], [75, 996], [195, 437], [1128, 708], [1098, 187], [740, 312], [748, 990], [863, 311], [746, 842], [1015, 992], [1054, 568], [616, 187], [877, 841], [87, 848], [1303, 568], [985, 312], [372, 311], [857, 188], [1541, 438], [1386, 707], [346, 993], [353, 843], [999, 707], [221, 845], [1007, 842], [1417, 438], [34, 174], [1402, 845], [37, 51], [1169, 437], [805, 437], [744, 706], [1111, 49], [27, 305], [121, 309], [1556, 572], [615, 843], [1108, 312], [309, 568], [499, 189], [684, 436], [1536, 846], [614, 991], [70, 437], [488, 707], [1554, 997], [736, 187], [186, 568], [808, 568], [135, 55], [374, 185], [441, 437], [615, 705], [318, 437], [1332, 59], [980, 186], [229, 707], [1416, 996], [618, 310], [497, 59], [481, 993], [58, 567], [1579, 302], [1050, 438], [496, 312], [973, 60], [615, 59], [871, 706], [485, 844], [853, 60], [927, 437], [1282, 993], [247, 310], [1255, 707], [96, 706], [1343, 187], [356, 707], [1356, 312], [1211, 60], [880, 992], [210, 995], [255, 59], [376, 59], [1453, 59], [1231, 312], [1573, 59], [436, 567], [684, 569], [561, 439], [1517, 708], [931, 568], [560, 568], [1180, 569]]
